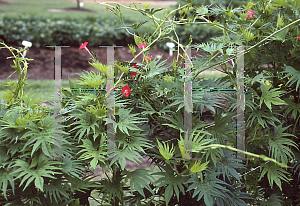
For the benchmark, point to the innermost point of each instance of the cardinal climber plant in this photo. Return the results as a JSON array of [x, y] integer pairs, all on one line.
[[197, 167]]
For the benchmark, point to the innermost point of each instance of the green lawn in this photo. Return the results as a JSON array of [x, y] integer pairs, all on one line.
[[210, 75], [45, 88], [21, 7]]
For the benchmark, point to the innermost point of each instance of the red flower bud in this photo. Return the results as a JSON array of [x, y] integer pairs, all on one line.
[[148, 58], [142, 46], [249, 14]]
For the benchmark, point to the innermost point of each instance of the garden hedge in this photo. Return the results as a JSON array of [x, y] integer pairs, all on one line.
[[43, 32]]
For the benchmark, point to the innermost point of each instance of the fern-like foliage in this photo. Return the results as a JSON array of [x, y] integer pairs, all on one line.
[[110, 190], [123, 154], [172, 182], [87, 122], [294, 76], [177, 121], [280, 145], [139, 179], [165, 150], [90, 153], [41, 139], [156, 68], [208, 189], [134, 141], [204, 97], [228, 166], [127, 121], [286, 3], [274, 174], [211, 48], [260, 78], [91, 80], [270, 96], [37, 171], [293, 108], [56, 191], [6, 178], [223, 130], [273, 200], [263, 117]]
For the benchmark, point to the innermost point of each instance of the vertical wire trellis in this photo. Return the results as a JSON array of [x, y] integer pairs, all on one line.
[[188, 95], [240, 137], [110, 101], [188, 88], [58, 149]]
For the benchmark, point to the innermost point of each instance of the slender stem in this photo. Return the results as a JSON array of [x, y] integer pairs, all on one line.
[[138, 55], [249, 48]]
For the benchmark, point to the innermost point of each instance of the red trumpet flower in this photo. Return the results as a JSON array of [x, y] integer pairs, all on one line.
[[83, 46], [126, 91]]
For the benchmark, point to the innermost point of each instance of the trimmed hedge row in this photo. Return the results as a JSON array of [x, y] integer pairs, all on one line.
[[42, 32]]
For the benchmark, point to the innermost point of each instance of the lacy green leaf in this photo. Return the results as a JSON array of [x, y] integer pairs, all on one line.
[[157, 68], [207, 189], [280, 36], [293, 108], [263, 117], [44, 168], [87, 122], [139, 179], [274, 174], [5, 178], [127, 121], [198, 167], [270, 96], [172, 182], [165, 150], [228, 165], [294, 76], [280, 145], [41, 137], [273, 200], [72, 167], [134, 141], [90, 153]]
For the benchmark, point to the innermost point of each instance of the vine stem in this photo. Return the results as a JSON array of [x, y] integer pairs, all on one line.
[[247, 49], [245, 152], [159, 27], [214, 146]]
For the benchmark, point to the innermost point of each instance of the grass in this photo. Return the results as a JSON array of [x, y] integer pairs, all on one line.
[[210, 75], [21, 7], [45, 88]]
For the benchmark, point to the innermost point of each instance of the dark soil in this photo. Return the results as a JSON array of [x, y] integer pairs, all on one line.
[[73, 61], [4, 2]]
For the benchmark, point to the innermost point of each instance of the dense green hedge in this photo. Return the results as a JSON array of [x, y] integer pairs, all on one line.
[[42, 31]]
